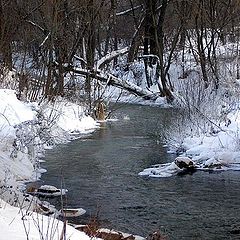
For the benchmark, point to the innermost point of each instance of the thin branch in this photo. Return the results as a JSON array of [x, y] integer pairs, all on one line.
[[80, 59], [37, 26], [128, 10], [45, 39]]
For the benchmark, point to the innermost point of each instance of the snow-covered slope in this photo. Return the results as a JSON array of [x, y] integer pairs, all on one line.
[[13, 112], [21, 125], [25, 130]]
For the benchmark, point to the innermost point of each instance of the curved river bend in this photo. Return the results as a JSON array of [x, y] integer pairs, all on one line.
[[101, 173]]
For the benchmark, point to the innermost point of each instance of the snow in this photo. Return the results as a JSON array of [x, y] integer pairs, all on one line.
[[117, 234], [163, 170], [18, 224], [185, 160], [210, 149], [20, 146], [218, 151], [111, 56], [60, 117], [72, 212], [128, 10], [48, 190], [70, 117], [12, 111], [208, 134]]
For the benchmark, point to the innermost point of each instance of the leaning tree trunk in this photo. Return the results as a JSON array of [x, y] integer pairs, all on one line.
[[116, 82], [159, 38]]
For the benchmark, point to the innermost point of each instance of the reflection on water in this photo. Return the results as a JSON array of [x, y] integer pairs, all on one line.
[[101, 174]]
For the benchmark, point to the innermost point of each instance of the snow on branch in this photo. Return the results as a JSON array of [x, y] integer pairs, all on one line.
[[45, 39], [80, 59], [128, 10], [109, 57], [116, 82], [150, 56], [37, 26]]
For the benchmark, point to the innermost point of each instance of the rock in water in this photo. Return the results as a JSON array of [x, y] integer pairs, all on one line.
[[184, 163]]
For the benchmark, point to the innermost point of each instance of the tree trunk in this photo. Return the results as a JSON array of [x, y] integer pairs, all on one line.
[[149, 38], [200, 44], [90, 51], [136, 41], [159, 38], [60, 43], [5, 39]]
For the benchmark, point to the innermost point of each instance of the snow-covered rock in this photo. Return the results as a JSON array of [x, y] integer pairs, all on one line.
[[212, 163], [184, 162], [161, 170]]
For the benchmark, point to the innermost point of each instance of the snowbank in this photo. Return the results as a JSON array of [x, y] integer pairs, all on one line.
[[20, 224], [21, 125], [218, 150], [13, 112], [25, 130]]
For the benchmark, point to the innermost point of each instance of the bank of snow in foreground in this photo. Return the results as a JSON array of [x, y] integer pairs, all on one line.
[[21, 225], [25, 130], [218, 150]]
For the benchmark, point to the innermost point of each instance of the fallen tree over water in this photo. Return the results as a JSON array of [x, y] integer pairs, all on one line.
[[110, 79]]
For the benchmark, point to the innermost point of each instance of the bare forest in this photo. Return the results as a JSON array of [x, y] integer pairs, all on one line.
[[71, 47]]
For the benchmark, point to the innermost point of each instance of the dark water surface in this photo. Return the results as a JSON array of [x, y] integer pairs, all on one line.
[[101, 173]]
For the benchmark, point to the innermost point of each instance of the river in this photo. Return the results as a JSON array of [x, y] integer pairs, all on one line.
[[101, 173]]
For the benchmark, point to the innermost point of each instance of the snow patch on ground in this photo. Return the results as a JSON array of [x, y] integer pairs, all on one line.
[[69, 116]]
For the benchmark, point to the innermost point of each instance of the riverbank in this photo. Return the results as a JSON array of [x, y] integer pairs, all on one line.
[[132, 141], [215, 149], [27, 129]]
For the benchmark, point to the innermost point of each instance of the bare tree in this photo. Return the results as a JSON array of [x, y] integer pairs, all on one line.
[[6, 31]]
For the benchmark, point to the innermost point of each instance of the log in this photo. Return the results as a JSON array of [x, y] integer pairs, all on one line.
[[116, 82]]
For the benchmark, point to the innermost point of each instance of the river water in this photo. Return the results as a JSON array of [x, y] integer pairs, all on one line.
[[101, 173]]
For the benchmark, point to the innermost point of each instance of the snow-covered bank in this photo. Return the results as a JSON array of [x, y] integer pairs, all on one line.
[[14, 163], [22, 225], [26, 130], [217, 150]]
